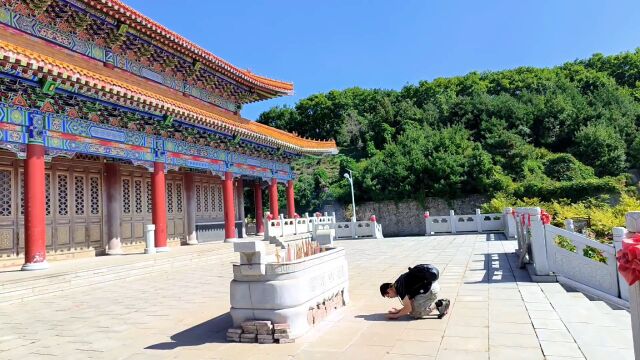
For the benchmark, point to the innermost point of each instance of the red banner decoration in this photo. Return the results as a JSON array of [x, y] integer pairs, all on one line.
[[629, 259], [513, 213], [545, 217]]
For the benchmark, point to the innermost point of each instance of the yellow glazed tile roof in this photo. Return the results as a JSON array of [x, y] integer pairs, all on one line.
[[138, 21], [73, 68]]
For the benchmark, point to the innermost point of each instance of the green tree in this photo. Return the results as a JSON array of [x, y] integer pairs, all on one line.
[[599, 146]]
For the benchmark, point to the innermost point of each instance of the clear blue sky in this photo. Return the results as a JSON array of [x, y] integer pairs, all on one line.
[[321, 45]]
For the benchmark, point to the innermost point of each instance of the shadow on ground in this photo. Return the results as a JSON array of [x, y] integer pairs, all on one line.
[[210, 331], [382, 317]]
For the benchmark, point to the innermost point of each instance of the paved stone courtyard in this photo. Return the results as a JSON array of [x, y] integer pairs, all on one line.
[[497, 313]]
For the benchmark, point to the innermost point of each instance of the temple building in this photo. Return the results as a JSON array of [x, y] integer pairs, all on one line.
[[109, 122]]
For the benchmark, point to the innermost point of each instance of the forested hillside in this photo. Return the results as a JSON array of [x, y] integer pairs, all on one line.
[[565, 132]]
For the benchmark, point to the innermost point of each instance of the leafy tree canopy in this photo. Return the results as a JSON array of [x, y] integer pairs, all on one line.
[[526, 129]]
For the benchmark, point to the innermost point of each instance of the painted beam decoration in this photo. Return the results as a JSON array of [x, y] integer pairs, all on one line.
[[72, 42], [168, 101], [65, 135]]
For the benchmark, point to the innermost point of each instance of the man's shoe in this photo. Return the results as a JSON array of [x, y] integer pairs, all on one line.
[[443, 307]]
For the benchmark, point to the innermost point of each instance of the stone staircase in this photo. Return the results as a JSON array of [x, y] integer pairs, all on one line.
[[592, 323], [17, 286]]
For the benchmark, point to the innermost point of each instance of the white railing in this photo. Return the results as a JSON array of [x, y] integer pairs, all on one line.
[[560, 253], [358, 229], [574, 265], [477, 222], [281, 227]]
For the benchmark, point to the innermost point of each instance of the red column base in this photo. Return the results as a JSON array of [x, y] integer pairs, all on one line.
[[35, 266]]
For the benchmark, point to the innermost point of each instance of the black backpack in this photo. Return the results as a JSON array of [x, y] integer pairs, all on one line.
[[424, 272], [418, 279]]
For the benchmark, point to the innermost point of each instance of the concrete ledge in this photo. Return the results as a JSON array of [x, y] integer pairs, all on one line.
[[82, 253], [138, 247]]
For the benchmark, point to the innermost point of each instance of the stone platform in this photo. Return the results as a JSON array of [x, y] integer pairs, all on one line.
[[181, 312]]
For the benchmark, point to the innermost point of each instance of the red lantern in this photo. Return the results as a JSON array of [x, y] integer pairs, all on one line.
[[629, 260], [545, 217], [372, 218], [426, 215]]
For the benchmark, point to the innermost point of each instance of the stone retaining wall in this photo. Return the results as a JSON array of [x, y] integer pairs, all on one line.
[[405, 218]]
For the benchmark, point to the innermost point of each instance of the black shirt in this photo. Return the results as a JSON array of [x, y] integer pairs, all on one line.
[[408, 285]]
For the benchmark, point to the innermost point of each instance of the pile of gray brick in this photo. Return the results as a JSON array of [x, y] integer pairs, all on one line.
[[260, 331]]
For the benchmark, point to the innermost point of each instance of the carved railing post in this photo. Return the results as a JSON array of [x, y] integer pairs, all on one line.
[[628, 257], [427, 223], [452, 221], [478, 218], [568, 225]]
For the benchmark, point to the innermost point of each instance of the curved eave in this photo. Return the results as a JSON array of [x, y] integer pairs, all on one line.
[[46, 66], [145, 25]]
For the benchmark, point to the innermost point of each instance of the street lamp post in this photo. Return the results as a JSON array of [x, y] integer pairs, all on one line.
[[349, 177]]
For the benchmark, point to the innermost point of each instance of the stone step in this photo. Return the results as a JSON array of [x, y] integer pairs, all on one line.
[[103, 265], [30, 285], [609, 309]]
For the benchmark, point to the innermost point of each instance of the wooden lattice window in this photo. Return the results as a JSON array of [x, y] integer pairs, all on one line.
[[6, 193], [126, 196], [179, 197], [79, 194], [47, 194], [94, 195], [149, 201], [198, 199], [137, 195], [219, 202], [63, 194], [170, 198], [206, 198]]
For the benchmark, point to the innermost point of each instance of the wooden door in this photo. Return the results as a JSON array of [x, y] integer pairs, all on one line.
[[175, 208]]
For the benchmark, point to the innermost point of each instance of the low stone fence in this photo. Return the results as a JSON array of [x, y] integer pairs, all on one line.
[[313, 226], [474, 223], [358, 230], [284, 227]]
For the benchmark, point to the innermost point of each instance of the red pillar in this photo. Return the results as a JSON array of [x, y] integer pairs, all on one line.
[[35, 248], [257, 197], [291, 206], [159, 207], [273, 198], [229, 209]]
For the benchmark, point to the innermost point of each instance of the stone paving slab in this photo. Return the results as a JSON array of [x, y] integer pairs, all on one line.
[[497, 313]]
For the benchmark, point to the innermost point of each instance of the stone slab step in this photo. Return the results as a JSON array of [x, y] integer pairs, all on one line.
[[32, 284], [610, 309]]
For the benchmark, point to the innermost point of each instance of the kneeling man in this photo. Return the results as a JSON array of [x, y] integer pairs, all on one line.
[[418, 290]]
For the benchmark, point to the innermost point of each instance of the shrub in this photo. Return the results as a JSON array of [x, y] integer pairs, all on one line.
[[600, 146], [564, 167], [572, 190]]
